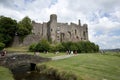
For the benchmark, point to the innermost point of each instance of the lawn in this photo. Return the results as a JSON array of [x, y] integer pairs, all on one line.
[[17, 49], [5, 74], [90, 66]]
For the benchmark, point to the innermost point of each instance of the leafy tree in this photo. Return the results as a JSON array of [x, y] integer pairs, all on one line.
[[7, 29], [24, 27]]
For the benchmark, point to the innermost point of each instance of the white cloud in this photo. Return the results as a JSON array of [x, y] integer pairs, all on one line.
[[102, 16]]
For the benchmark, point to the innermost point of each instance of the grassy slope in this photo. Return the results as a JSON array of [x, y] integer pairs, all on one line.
[[22, 49], [5, 74], [91, 66]]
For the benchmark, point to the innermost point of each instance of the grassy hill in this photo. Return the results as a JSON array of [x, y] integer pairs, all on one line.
[[90, 66]]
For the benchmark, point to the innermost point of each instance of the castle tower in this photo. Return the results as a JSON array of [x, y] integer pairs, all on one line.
[[79, 22], [85, 32], [53, 27], [53, 17]]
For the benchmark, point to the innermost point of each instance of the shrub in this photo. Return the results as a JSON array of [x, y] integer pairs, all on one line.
[[81, 47], [42, 46], [59, 47], [32, 47]]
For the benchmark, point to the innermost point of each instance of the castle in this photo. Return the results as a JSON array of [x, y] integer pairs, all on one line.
[[57, 32]]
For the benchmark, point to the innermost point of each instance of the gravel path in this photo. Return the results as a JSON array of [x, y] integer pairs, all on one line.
[[62, 57]]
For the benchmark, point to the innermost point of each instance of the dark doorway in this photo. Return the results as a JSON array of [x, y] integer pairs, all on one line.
[[32, 66]]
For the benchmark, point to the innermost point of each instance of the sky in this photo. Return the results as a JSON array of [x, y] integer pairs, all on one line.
[[102, 16]]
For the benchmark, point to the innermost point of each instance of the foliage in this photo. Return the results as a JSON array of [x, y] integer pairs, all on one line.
[[59, 47], [2, 45], [24, 27], [43, 45], [32, 47], [82, 46], [7, 29]]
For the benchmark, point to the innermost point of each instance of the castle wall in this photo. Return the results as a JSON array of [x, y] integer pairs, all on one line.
[[57, 32], [37, 29], [72, 32], [44, 31]]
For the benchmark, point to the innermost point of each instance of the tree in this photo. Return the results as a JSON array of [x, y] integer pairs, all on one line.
[[7, 29], [24, 27]]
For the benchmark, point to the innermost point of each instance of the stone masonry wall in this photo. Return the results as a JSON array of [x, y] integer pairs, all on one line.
[[57, 32]]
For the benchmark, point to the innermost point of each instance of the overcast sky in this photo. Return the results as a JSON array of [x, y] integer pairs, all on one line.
[[102, 16]]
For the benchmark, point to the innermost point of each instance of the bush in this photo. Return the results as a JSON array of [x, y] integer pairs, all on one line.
[[2, 45], [32, 47], [59, 47], [42, 46], [81, 47]]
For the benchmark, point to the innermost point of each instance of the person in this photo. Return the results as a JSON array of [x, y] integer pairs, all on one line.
[[75, 51], [67, 52], [71, 52], [3, 53], [36, 53]]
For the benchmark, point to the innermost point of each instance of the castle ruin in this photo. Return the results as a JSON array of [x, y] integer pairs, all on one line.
[[57, 32]]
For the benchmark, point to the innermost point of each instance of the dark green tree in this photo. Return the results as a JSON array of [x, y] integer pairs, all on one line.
[[7, 29], [24, 27]]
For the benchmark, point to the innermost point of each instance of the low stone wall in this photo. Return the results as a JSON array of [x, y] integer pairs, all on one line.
[[14, 60]]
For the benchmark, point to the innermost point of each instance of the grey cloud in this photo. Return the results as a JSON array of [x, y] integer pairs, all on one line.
[[7, 3]]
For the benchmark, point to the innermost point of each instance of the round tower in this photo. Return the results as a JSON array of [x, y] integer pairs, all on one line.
[[79, 22], [53, 17]]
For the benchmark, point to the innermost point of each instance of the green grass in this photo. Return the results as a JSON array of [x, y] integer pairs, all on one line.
[[91, 66], [5, 74], [19, 49]]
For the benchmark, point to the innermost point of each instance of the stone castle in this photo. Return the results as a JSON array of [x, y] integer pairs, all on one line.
[[57, 32]]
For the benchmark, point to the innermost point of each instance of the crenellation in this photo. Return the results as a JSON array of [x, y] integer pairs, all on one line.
[[73, 24]]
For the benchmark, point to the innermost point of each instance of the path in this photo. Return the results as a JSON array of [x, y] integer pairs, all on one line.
[[62, 57]]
